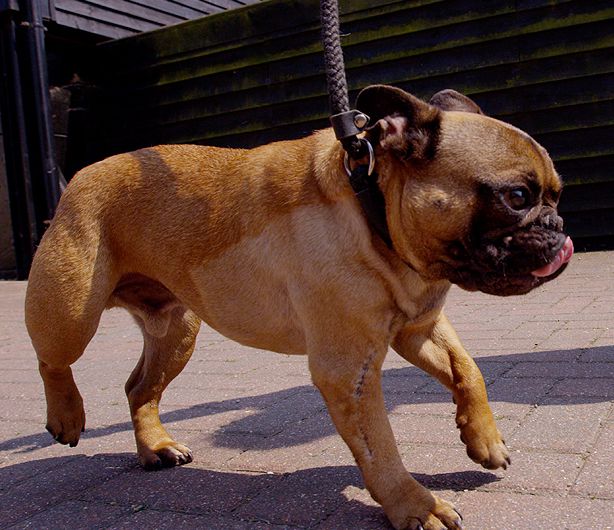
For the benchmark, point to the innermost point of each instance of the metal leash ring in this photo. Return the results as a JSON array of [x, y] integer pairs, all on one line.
[[346, 160]]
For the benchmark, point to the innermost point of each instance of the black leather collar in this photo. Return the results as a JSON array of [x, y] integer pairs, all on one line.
[[371, 200]]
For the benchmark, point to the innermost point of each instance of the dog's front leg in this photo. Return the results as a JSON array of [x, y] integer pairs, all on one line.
[[351, 386], [437, 350]]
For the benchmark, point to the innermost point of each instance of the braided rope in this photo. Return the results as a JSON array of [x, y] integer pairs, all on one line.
[[333, 57]]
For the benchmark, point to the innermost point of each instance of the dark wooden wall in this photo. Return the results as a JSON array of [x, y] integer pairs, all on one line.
[[254, 75], [120, 18], [7, 251]]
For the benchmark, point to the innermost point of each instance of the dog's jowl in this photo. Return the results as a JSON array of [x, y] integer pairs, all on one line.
[[270, 247]]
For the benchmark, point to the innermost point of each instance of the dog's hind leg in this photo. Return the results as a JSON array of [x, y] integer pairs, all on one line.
[[436, 349], [169, 334], [68, 287]]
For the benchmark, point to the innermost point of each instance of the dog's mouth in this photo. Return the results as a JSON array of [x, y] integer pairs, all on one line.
[[515, 262], [561, 259]]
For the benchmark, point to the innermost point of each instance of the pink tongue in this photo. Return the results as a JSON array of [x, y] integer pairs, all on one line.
[[562, 257]]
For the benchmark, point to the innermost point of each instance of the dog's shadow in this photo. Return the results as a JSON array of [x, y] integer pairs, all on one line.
[[113, 485], [297, 415], [117, 480], [273, 412]]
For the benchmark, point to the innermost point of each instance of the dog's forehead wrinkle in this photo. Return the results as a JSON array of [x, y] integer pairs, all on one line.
[[471, 142], [475, 135]]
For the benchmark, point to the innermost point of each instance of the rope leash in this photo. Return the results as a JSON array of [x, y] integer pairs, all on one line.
[[347, 124]]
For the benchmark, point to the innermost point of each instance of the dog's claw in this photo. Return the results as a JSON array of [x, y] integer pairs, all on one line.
[[458, 523], [153, 465], [167, 456]]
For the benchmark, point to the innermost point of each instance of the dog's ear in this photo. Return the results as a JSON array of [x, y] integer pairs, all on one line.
[[452, 100], [400, 122]]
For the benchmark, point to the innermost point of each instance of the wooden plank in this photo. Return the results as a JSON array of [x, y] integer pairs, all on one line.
[[47, 9], [588, 170], [587, 197], [169, 7], [200, 126], [499, 102], [564, 117], [238, 92], [124, 11], [88, 12], [590, 224], [428, 19], [252, 24], [537, 95], [275, 46], [267, 20], [403, 68], [128, 16], [196, 5], [225, 4], [92, 25], [590, 141]]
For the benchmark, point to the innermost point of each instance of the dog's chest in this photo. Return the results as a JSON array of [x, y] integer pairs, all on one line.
[[243, 294]]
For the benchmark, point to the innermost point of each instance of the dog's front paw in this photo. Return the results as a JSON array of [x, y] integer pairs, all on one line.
[[414, 508], [164, 454], [485, 446], [443, 517]]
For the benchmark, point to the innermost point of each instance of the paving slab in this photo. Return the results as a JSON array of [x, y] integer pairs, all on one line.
[[514, 511], [597, 479], [266, 455]]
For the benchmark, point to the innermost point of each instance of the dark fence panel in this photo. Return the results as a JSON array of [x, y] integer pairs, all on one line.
[[120, 18], [255, 75]]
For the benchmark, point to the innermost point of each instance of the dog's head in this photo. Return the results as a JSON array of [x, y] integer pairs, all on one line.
[[468, 198]]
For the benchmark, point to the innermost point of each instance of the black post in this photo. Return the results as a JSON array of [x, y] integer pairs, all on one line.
[[42, 135], [16, 152], [32, 173]]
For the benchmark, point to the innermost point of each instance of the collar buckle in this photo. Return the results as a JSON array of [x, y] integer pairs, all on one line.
[[371, 165]]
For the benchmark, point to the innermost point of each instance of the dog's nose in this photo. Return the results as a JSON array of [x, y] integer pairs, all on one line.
[[550, 219]]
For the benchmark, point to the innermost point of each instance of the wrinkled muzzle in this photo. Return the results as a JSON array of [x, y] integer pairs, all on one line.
[[516, 260]]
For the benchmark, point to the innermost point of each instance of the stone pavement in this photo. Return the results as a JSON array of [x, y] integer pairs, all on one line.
[[267, 456]]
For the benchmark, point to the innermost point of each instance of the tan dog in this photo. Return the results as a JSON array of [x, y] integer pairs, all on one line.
[[270, 247]]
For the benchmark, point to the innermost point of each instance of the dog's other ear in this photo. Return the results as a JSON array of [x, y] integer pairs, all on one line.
[[452, 100], [400, 122]]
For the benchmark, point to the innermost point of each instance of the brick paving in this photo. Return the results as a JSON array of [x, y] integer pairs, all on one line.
[[266, 453]]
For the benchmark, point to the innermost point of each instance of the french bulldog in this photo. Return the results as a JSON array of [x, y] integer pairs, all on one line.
[[270, 247]]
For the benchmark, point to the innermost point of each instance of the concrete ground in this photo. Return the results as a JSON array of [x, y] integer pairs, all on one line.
[[266, 453]]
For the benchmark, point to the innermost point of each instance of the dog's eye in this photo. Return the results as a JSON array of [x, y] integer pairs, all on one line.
[[516, 198]]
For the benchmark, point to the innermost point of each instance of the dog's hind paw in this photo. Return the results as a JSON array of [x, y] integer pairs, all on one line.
[[66, 427], [168, 455], [493, 456]]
